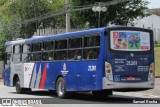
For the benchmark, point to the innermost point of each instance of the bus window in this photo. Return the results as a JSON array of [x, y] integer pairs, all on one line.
[[91, 53], [25, 57], [75, 43], [36, 56], [36, 47], [7, 56], [75, 54], [92, 41], [36, 52], [16, 53], [60, 55], [26, 48], [48, 45], [25, 53], [47, 56], [16, 49], [61, 44], [8, 49], [91, 47]]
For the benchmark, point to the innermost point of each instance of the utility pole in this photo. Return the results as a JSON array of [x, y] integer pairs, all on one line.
[[67, 16]]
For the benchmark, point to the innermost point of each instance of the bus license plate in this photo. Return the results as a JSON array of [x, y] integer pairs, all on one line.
[[131, 78]]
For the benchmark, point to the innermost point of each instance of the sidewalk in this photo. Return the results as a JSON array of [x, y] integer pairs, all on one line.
[[1, 81]]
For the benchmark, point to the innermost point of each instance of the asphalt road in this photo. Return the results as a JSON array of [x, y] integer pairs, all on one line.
[[84, 98]]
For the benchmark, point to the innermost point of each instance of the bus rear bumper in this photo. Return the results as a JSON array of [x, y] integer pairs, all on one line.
[[107, 84]]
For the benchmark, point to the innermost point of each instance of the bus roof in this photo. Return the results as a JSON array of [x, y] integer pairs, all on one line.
[[57, 36]]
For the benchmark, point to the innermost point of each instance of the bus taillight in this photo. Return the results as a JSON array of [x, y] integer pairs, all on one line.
[[108, 68], [151, 72], [152, 68], [108, 71]]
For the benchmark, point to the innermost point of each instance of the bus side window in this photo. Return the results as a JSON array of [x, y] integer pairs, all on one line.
[[16, 53], [36, 47], [47, 51], [75, 49], [75, 43], [60, 44], [25, 53], [48, 45], [47, 56], [7, 58], [60, 55], [91, 53], [91, 47], [93, 40], [74, 54], [60, 52], [36, 52], [36, 56], [7, 55]]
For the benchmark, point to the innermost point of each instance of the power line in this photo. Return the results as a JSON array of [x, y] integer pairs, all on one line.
[[64, 10]]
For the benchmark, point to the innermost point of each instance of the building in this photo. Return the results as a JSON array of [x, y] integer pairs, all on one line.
[[150, 22]]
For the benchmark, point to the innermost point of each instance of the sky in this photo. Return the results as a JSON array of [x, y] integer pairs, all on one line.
[[154, 4]]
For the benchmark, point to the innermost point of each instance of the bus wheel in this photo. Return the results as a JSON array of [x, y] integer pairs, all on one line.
[[27, 89], [19, 90], [61, 88], [102, 93]]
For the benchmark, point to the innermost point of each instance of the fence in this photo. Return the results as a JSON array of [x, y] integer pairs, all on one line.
[[156, 33], [50, 31], [1, 68]]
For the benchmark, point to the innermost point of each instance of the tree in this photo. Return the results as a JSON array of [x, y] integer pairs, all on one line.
[[121, 14], [31, 9]]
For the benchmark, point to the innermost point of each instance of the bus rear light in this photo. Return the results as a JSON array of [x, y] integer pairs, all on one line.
[[151, 71], [109, 71], [152, 66], [108, 66]]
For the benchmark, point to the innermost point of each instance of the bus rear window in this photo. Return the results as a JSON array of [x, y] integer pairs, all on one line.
[[130, 40]]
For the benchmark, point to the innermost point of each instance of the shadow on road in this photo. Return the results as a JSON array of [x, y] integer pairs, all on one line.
[[84, 98]]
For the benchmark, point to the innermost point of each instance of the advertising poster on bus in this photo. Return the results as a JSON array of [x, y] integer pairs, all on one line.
[[130, 41]]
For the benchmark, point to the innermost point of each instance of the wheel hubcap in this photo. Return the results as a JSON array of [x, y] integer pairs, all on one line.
[[60, 89], [17, 87]]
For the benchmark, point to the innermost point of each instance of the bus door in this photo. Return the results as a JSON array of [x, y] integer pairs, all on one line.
[[87, 75], [7, 69]]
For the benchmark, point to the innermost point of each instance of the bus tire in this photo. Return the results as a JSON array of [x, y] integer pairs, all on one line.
[[19, 90], [27, 89], [102, 93], [61, 88]]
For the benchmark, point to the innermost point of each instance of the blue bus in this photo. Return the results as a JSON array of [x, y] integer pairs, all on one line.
[[99, 60]]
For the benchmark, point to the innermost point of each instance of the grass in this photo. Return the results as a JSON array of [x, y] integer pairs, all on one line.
[[157, 61]]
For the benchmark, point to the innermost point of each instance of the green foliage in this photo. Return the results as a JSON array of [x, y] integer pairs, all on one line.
[[156, 44], [121, 14], [13, 16]]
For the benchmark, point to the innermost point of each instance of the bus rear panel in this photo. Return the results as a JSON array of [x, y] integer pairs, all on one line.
[[129, 62]]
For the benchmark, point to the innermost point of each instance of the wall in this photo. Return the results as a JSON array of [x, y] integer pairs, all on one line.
[[150, 22]]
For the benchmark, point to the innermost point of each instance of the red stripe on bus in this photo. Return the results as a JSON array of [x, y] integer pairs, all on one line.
[[43, 79]]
